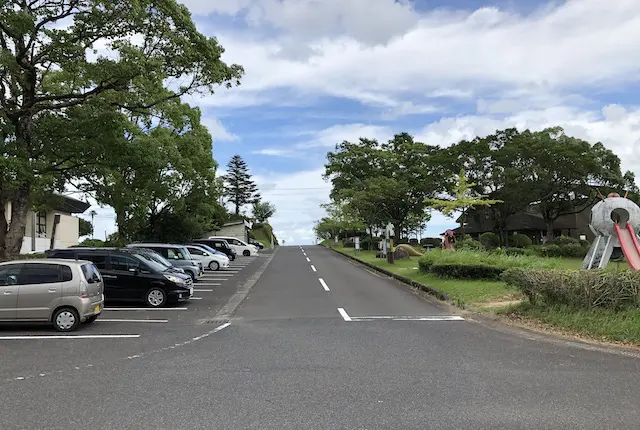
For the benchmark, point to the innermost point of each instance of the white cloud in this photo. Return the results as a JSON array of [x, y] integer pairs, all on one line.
[[218, 131]]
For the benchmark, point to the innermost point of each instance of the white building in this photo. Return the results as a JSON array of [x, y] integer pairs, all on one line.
[[42, 223]]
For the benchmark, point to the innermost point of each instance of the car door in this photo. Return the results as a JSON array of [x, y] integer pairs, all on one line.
[[108, 279], [9, 291], [127, 285], [39, 290]]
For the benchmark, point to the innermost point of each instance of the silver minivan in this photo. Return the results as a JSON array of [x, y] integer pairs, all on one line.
[[62, 292]]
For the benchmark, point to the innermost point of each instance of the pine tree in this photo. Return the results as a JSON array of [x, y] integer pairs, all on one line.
[[239, 188]]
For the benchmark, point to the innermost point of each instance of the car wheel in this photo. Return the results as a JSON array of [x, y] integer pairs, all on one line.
[[156, 297], [91, 319], [66, 319], [246, 253], [214, 265]]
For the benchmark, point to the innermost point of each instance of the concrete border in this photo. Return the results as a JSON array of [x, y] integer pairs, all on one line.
[[238, 297]]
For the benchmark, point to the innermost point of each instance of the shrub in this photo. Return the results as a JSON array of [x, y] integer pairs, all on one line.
[[476, 264], [509, 251], [348, 243], [369, 242], [469, 244], [519, 241], [490, 240], [565, 240], [585, 289], [571, 250]]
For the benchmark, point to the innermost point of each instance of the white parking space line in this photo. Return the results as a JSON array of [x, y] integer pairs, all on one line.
[[145, 309], [195, 298], [133, 321], [313, 268], [70, 336], [208, 284], [344, 314], [308, 260], [200, 290], [411, 318], [324, 284]]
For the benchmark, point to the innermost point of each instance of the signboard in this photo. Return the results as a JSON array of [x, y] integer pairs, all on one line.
[[357, 243]]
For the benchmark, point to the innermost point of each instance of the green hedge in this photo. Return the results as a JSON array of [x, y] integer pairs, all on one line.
[[570, 250], [490, 240], [519, 241], [582, 289], [476, 264]]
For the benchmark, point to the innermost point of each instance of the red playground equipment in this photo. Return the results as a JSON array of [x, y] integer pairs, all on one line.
[[449, 240]]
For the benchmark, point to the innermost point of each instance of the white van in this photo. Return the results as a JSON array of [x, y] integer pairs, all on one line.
[[240, 246]]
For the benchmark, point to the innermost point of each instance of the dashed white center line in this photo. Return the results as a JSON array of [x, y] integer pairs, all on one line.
[[324, 284], [309, 261], [313, 268], [344, 314]]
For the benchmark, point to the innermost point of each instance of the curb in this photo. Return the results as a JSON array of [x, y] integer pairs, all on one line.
[[440, 295]]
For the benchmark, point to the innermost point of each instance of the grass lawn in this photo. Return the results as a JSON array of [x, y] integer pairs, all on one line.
[[261, 236], [493, 296], [462, 292]]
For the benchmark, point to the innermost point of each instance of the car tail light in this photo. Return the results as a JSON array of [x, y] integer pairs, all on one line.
[[84, 291]]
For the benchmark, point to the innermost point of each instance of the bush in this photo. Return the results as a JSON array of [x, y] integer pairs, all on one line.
[[584, 289], [467, 243], [565, 240], [509, 251], [476, 264], [490, 240], [519, 241], [436, 242], [571, 250]]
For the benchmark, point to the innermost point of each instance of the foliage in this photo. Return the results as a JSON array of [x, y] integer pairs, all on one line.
[[467, 243], [436, 242], [85, 228], [239, 188], [66, 113], [262, 211], [342, 222], [520, 240], [490, 240], [90, 243], [483, 265], [583, 289], [571, 250]]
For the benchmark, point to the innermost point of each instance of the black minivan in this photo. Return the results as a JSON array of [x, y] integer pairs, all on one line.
[[130, 275], [219, 245]]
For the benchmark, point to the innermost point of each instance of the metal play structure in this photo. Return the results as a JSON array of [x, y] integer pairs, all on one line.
[[616, 223]]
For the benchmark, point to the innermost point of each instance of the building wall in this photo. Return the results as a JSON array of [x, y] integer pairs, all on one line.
[[238, 231], [67, 231]]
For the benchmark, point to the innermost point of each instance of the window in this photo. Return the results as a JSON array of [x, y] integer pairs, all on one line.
[[91, 273], [174, 254], [122, 263], [100, 261], [195, 251], [41, 227], [66, 274], [9, 274], [38, 273]]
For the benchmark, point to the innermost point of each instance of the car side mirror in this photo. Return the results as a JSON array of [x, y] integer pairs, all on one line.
[[135, 270], [12, 280]]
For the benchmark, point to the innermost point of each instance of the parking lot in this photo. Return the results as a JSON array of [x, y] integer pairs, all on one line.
[[123, 330]]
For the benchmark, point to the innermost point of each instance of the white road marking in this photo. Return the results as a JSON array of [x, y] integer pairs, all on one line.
[[135, 321], [308, 260], [195, 298], [209, 284], [313, 268], [202, 290], [344, 314], [411, 318], [145, 309], [70, 336], [222, 327], [324, 284]]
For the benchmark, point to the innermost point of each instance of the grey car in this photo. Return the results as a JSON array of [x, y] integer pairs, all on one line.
[[62, 292], [178, 255]]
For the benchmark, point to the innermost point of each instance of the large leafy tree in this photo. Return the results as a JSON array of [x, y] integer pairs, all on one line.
[[239, 188], [262, 211], [62, 107]]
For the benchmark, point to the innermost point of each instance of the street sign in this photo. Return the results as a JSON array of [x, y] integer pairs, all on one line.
[[357, 243]]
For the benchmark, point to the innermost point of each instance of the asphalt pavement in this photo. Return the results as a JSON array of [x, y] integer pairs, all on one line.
[[318, 343]]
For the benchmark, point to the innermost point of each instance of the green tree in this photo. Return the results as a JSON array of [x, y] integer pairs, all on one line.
[[61, 109], [239, 188], [463, 199], [262, 211], [85, 228]]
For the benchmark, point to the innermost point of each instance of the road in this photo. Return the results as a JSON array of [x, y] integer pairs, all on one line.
[[353, 351]]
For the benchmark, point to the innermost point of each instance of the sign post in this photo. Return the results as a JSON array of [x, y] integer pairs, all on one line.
[[356, 243], [388, 244]]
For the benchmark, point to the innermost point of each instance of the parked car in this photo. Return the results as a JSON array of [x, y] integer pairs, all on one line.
[[241, 247], [159, 258], [219, 245], [132, 276], [257, 244], [208, 259], [62, 292], [210, 249], [178, 255]]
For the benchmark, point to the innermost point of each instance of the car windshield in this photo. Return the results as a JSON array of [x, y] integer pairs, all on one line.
[[152, 264], [185, 252], [159, 258], [207, 248]]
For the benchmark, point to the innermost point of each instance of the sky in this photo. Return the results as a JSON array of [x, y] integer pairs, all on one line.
[[318, 72]]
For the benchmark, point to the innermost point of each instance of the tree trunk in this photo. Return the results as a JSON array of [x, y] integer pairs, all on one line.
[[12, 243], [397, 233], [549, 231]]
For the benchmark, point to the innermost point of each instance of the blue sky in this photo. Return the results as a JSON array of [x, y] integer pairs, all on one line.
[[319, 72]]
